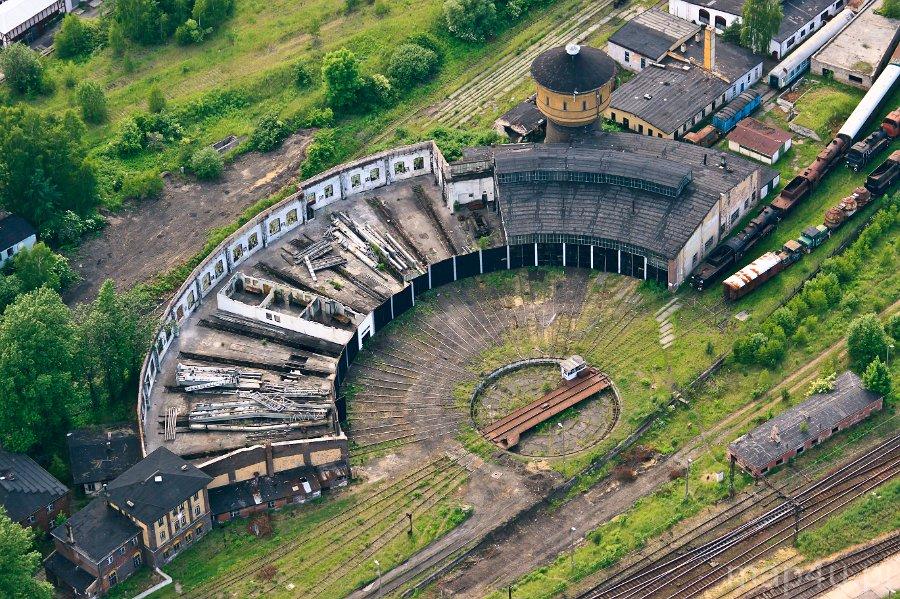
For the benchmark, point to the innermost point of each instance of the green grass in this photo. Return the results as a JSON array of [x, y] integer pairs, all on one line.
[[876, 513]]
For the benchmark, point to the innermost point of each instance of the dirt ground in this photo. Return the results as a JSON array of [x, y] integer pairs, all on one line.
[[155, 236]]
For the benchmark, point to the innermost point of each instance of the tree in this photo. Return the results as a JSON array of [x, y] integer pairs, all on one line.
[[760, 20], [75, 38], [92, 100], [19, 562], [890, 9], [343, 81], [893, 327], [269, 133], [139, 20], [411, 64], [39, 396], [732, 33], [321, 154], [40, 267], [44, 170], [23, 69], [866, 340], [207, 164], [471, 20], [156, 101], [212, 13], [112, 339], [116, 39], [877, 378]]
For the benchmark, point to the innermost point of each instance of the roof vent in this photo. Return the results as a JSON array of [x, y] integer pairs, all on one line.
[[157, 478], [683, 48], [129, 503], [572, 49], [183, 467], [686, 67], [648, 97]]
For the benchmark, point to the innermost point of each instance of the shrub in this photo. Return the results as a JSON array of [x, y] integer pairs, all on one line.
[[212, 13], [382, 8], [471, 20], [376, 91], [893, 327], [891, 9], [866, 340], [322, 153], [156, 101], [190, 32], [131, 139], [207, 164], [142, 186], [76, 38], [23, 69], [92, 101], [269, 133], [877, 378], [821, 385], [411, 64], [304, 74]]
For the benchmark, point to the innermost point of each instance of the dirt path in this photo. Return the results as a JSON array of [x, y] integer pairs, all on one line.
[[155, 236]]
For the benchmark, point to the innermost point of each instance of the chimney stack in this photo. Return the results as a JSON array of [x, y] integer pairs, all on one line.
[[270, 460], [709, 48], [70, 535]]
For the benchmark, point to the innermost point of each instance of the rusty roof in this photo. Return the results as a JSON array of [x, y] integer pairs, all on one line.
[[758, 136]]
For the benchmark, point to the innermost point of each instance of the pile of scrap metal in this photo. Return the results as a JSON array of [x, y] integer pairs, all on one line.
[[374, 247], [254, 405], [316, 256]]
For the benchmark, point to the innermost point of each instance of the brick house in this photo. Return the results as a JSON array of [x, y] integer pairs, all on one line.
[[30, 494], [804, 426], [149, 514], [99, 455]]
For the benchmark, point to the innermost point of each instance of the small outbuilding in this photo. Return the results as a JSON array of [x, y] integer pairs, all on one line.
[[98, 455], [522, 123], [804, 426], [647, 38], [261, 493], [759, 141], [15, 235]]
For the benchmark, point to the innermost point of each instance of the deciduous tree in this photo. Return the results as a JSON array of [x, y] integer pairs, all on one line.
[[23, 69], [39, 267], [19, 562], [471, 20], [343, 81], [866, 340], [760, 20], [877, 378]]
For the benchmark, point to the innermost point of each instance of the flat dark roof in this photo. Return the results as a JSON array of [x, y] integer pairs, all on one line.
[[13, 229], [657, 223], [68, 573], [249, 493], [642, 39], [676, 95], [732, 62], [785, 433]]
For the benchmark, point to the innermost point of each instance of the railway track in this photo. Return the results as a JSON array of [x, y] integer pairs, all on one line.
[[690, 570], [377, 504], [805, 585]]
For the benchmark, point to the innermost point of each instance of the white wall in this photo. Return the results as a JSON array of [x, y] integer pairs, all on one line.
[[240, 248], [14, 249], [470, 190], [286, 217], [626, 58]]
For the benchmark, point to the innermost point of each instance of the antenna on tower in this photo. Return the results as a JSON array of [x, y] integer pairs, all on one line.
[[572, 49]]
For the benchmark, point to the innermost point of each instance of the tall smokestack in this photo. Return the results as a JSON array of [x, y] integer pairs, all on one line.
[[709, 48]]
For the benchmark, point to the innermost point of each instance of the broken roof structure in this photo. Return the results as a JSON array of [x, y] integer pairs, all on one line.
[[102, 454], [797, 428]]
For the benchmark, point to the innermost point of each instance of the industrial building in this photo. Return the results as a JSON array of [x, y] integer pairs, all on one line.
[[22, 20], [648, 37], [651, 208], [804, 426], [858, 53], [672, 96], [801, 18], [759, 141]]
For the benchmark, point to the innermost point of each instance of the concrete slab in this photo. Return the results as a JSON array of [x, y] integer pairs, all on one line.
[[878, 581]]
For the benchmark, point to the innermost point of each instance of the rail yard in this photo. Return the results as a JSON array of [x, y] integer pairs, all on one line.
[[635, 338]]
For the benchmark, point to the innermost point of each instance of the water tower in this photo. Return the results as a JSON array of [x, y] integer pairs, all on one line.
[[574, 84]]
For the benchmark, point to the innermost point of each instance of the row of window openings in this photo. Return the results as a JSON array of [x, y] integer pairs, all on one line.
[[50, 506], [374, 175], [121, 551], [801, 449], [628, 59], [584, 105], [188, 539]]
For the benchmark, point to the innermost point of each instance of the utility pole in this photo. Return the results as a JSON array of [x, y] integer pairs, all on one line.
[[572, 553], [409, 515], [378, 573], [509, 591], [687, 477]]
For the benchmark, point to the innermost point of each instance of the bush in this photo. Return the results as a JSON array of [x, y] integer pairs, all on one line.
[[76, 38], [304, 74], [207, 164], [92, 100], [343, 81], [142, 186], [471, 20], [382, 8], [893, 327], [822, 385], [411, 64], [269, 133], [23, 69], [190, 32], [890, 9], [156, 101], [866, 340], [877, 378], [321, 154], [212, 13], [131, 139]]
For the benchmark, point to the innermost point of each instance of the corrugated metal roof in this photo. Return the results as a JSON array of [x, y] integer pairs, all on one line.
[[15, 12], [753, 270]]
